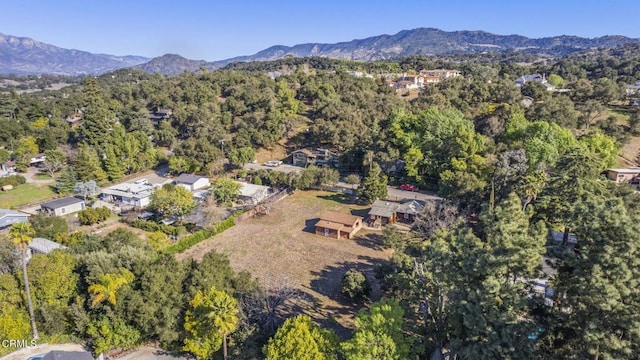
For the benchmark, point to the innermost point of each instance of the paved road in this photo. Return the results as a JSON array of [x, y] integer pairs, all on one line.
[[23, 354]]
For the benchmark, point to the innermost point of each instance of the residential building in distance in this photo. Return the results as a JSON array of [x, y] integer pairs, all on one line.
[[623, 175], [160, 114], [193, 182], [75, 119], [337, 225], [9, 217], [318, 157], [63, 206], [441, 73], [251, 194]]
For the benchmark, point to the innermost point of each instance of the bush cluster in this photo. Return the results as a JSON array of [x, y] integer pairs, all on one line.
[[93, 215], [13, 180], [201, 235]]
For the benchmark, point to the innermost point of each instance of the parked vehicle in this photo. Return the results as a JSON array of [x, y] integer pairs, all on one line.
[[408, 187], [273, 163]]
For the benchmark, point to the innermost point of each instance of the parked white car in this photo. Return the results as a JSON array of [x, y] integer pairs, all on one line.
[[273, 163]]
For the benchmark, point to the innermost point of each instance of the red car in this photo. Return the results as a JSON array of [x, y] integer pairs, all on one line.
[[408, 187]]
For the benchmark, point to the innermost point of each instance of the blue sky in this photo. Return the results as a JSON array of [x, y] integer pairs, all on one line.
[[214, 29]]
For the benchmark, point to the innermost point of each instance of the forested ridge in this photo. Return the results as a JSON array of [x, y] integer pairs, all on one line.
[[511, 164]]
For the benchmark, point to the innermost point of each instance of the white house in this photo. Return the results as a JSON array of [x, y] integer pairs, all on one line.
[[63, 206], [136, 194], [252, 194], [193, 182]]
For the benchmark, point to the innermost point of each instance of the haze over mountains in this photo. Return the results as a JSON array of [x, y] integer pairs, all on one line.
[[19, 55]]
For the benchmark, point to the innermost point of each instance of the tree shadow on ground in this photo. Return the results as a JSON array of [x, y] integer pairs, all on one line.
[[328, 282], [371, 240]]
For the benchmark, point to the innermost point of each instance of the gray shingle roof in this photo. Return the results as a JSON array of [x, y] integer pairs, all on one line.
[[58, 203], [44, 246], [188, 178]]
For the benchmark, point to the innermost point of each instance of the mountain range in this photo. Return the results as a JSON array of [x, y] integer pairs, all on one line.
[[21, 55]]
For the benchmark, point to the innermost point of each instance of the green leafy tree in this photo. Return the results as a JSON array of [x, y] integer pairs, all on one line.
[[603, 146], [241, 156], [158, 239], [300, 338], [14, 318], [113, 165], [107, 287], [55, 160], [352, 179], [378, 334], [355, 285], [374, 185], [179, 165], [171, 200], [555, 80], [225, 190], [48, 227], [87, 165], [107, 334], [597, 297], [26, 149], [54, 284], [211, 317], [66, 181], [589, 111], [21, 234]]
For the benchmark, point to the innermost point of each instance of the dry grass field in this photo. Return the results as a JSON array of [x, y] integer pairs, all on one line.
[[281, 247]]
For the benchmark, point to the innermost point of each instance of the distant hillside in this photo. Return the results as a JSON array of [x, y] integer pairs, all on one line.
[[172, 64], [429, 41], [24, 56]]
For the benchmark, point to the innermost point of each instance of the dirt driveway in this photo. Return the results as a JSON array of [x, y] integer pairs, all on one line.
[[282, 246]]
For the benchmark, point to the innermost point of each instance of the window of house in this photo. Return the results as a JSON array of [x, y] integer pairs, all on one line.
[[406, 216], [326, 232], [62, 210]]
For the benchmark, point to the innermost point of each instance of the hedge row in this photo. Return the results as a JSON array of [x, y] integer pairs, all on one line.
[[13, 180], [201, 235], [151, 226]]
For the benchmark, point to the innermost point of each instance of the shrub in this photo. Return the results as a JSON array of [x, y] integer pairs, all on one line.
[[355, 285], [13, 180], [196, 237], [93, 215]]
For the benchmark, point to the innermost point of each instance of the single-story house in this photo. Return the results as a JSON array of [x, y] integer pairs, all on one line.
[[68, 355], [252, 194], [63, 206], [384, 212], [8, 166], [337, 225], [193, 182], [623, 175], [318, 157], [43, 246], [10, 217], [75, 119], [135, 194]]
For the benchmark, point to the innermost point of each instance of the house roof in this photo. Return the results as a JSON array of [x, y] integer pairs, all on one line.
[[130, 190], [188, 179], [8, 213], [339, 218], [383, 208], [44, 246], [410, 207], [68, 355], [249, 190], [329, 225], [58, 203], [628, 171]]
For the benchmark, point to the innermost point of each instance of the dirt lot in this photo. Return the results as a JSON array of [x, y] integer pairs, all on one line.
[[282, 247]]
